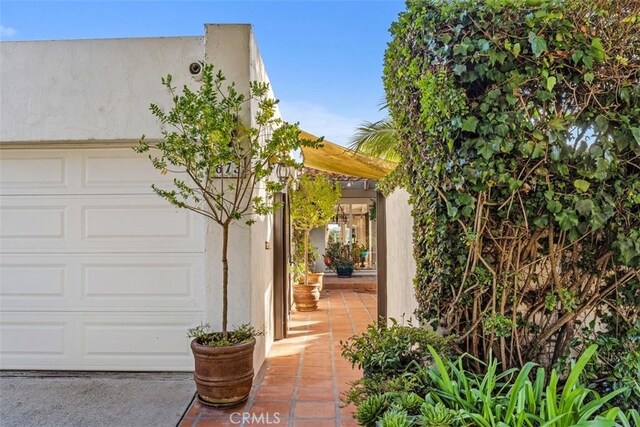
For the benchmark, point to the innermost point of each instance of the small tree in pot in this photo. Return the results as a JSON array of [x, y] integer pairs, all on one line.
[[220, 160], [312, 205]]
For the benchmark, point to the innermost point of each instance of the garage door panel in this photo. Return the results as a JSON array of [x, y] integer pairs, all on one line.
[[148, 222], [33, 222], [23, 173], [145, 280], [32, 338], [122, 169], [140, 339], [32, 280], [145, 284], [97, 341], [78, 282], [103, 223], [115, 170]]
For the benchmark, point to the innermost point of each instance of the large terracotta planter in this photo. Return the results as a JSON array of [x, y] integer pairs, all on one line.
[[306, 297], [223, 375]]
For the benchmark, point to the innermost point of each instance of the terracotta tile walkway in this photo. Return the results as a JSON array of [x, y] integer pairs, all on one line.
[[300, 382]]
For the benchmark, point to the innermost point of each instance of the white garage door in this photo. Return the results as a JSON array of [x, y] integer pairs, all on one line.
[[96, 271]]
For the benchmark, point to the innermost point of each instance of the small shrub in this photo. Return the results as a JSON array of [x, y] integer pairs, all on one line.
[[437, 416], [372, 409], [396, 418], [409, 402], [241, 334], [392, 350], [408, 382]]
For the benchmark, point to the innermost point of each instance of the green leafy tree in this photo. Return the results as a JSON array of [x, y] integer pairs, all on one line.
[[221, 161], [313, 205], [520, 138]]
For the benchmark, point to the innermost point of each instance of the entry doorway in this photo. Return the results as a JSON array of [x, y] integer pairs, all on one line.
[[374, 263]]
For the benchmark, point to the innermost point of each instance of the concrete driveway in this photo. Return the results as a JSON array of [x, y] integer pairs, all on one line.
[[94, 399]]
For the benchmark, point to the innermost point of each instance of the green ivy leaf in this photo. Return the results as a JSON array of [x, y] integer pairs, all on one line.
[[597, 49], [584, 207], [577, 56], [486, 151], [551, 82], [567, 219], [636, 134], [541, 221], [469, 124], [459, 69], [452, 211], [516, 49], [588, 61], [581, 185], [538, 45], [554, 206], [556, 123], [588, 77], [602, 123]]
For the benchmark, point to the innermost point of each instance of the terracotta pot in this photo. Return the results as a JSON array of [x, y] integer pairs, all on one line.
[[306, 297], [316, 278], [223, 375]]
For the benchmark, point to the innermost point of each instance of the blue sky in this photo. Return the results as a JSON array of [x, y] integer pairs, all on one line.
[[324, 58]]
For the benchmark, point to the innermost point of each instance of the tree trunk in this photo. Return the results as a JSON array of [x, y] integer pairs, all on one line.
[[225, 278], [306, 256]]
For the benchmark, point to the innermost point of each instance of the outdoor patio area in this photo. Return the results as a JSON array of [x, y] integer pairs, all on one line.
[[301, 380]]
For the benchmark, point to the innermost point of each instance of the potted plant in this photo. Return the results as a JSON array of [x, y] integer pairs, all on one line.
[[220, 159], [359, 254], [298, 257], [339, 259], [312, 206]]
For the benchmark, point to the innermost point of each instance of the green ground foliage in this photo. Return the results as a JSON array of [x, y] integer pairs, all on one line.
[[531, 396], [520, 129]]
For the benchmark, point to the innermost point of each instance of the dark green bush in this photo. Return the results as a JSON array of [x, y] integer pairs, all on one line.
[[616, 364], [520, 142]]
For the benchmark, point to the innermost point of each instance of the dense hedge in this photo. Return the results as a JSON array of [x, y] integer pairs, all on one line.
[[521, 145]]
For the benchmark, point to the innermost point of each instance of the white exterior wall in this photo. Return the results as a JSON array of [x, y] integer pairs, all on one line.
[[401, 265], [89, 90], [317, 241], [261, 235]]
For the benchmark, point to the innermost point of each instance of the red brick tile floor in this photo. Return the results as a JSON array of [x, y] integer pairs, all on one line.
[[301, 381]]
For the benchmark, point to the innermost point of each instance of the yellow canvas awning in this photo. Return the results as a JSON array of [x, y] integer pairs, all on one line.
[[334, 158]]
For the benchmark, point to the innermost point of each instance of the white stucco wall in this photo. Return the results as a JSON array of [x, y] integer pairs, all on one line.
[[317, 242], [233, 49], [89, 90], [261, 235], [401, 266]]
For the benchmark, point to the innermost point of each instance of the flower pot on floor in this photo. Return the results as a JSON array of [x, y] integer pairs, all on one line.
[[306, 297], [316, 278], [223, 375], [344, 271]]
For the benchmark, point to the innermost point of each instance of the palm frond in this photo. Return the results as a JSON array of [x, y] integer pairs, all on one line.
[[377, 139]]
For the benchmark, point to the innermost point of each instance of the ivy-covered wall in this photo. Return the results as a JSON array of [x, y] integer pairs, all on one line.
[[521, 146]]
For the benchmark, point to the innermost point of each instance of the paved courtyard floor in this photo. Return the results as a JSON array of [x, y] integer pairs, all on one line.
[[301, 381]]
